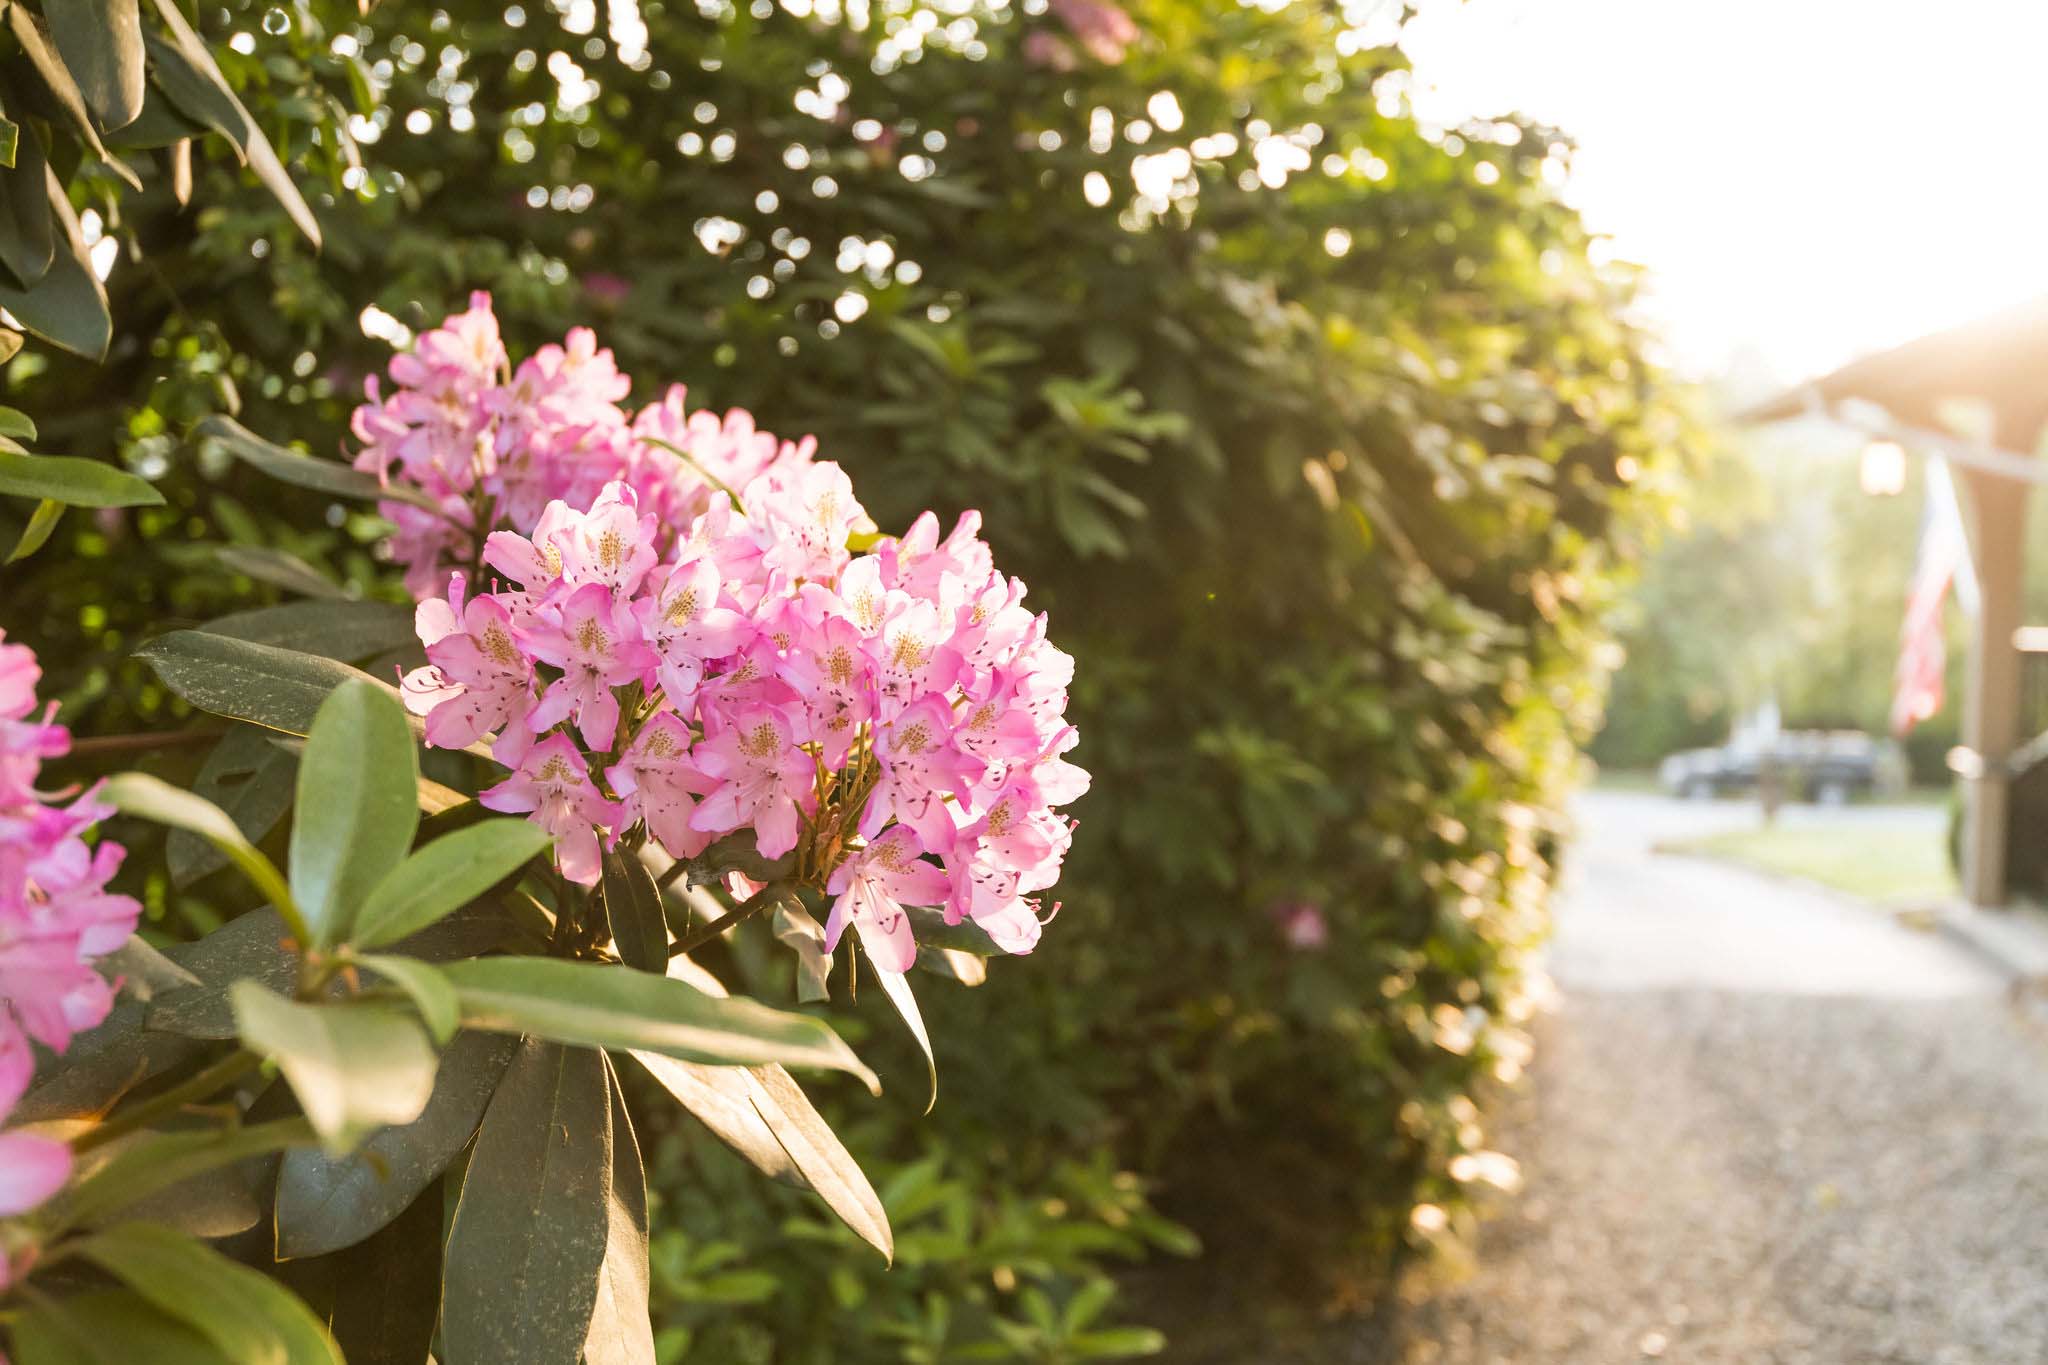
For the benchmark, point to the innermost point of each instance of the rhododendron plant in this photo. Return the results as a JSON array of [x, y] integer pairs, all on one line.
[[692, 650], [56, 916]]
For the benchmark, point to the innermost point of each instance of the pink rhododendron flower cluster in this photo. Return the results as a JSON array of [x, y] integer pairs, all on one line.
[[693, 650], [495, 445], [55, 917]]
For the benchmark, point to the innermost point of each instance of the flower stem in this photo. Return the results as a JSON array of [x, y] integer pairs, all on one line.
[[229, 1068], [149, 739], [753, 905]]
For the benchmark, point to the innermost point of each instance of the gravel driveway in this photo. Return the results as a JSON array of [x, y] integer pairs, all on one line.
[[1765, 1125]]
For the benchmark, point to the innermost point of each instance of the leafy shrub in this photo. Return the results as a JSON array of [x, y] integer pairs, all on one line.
[[1324, 446]]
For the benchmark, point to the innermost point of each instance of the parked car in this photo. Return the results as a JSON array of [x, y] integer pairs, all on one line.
[[1826, 766]]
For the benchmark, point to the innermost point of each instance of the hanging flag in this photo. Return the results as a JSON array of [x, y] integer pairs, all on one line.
[[1943, 558]]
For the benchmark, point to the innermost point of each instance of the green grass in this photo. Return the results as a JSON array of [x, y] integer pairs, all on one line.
[[1889, 866]]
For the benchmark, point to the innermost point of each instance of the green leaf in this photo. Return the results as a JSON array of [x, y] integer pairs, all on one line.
[[105, 1327], [444, 875], [896, 985], [246, 1315], [16, 423], [10, 142], [161, 123], [358, 805], [101, 43], [795, 929], [81, 483], [966, 936], [41, 523], [332, 630], [196, 95], [252, 946], [597, 1005], [280, 570], [153, 799], [632, 904], [425, 986], [161, 1160], [388, 1289], [279, 689], [35, 45], [250, 778], [326, 1203], [620, 1331], [304, 471], [355, 1068], [28, 230], [262, 156], [531, 1227], [761, 1113], [67, 307]]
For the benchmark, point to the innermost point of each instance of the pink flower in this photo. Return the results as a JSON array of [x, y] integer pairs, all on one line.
[[763, 779], [56, 915], [872, 886], [31, 1168], [553, 782], [680, 591], [920, 766], [597, 646], [477, 680], [657, 782], [687, 628]]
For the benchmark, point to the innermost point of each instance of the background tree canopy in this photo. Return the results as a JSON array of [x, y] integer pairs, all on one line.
[[1317, 429]]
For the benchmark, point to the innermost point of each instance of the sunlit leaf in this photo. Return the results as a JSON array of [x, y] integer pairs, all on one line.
[[355, 1068], [246, 1315], [598, 1005], [531, 1227]]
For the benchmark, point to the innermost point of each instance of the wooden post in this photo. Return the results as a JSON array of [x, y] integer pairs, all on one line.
[[1994, 513]]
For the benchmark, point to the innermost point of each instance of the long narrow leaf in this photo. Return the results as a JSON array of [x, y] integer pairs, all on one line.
[[358, 805], [596, 1005]]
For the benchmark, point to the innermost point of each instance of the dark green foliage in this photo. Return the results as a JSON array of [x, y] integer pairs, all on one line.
[[1325, 486]]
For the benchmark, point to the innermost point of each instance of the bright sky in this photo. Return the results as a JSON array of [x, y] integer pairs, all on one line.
[[1807, 179]]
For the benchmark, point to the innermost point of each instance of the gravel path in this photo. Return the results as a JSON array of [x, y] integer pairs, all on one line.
[[1719, 1178], [1767, 1125]]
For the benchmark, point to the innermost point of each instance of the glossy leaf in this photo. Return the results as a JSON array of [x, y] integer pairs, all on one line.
[[444, 875], [304, 471], [250, 779], [262, 156], [325, 1203], [966, 936], [254, 946], [531, 1227], [596, 1005], [41, 523], [761, 1113], [152, 799], [280, 570], [343, 630], [246, 1315], [28, 229], [632, 904], [621, 1332], [16, 424], [161, 1160], [105, 1327], [78, 483], [896, 985], [424, 985], [68, 305], [101, 44], [358, 805], [56, 78], [279, 689], [387, 1295], [355, 1068]]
